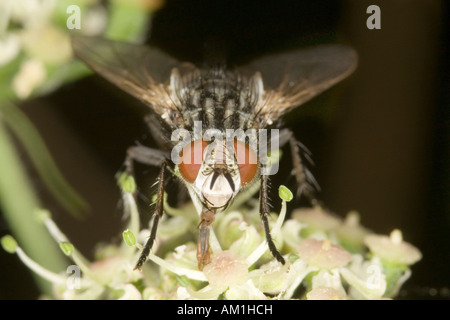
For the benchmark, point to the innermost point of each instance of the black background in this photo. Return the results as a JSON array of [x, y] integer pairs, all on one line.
[[380, 139]]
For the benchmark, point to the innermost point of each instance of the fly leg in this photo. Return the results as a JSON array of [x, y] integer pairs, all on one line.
[[264, 212], [306, 184], [152, 157], [157, 216], [145, 155], [203, 249]]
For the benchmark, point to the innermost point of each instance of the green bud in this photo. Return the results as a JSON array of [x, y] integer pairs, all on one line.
[[292, 257], [127, 183], [155, 197], [66, 247], [285, 194], [129, 238], [9, 244], [42, 214], [274, 156]]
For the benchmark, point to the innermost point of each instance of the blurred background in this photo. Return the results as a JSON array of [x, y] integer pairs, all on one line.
[[380, 139]]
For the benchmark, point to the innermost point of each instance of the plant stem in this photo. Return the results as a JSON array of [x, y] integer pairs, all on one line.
[[19, 203]]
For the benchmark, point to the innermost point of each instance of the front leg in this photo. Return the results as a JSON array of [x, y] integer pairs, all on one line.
[[152, 157], [144, 155], [264, 211], [159, 210]]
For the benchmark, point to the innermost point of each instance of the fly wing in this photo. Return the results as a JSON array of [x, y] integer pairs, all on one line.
[[292, 78], [144, 72]]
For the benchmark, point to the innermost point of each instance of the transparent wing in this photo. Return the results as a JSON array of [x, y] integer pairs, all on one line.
[[142, 71], [292, 78]]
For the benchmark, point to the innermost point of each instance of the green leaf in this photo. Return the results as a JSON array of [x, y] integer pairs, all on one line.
[[18, 203], [42, 160]]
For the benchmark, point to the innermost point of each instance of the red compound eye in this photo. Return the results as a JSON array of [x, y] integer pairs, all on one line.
[[191, 159], [247, 161]]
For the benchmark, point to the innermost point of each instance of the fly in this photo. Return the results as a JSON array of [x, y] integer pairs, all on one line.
[[216, 126]]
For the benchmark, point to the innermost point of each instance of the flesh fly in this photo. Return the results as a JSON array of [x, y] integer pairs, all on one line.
[[216, 126]]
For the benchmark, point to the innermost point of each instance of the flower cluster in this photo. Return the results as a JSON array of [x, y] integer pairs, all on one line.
[[326, 258], [35, 51]]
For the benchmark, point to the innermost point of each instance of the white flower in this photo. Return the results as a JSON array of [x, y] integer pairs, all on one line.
[[393, 249], [366, 278], [47, 43], [326, 261], [323, 254], [9, 48], [325, 293], [226, 269], [31, 75], [316, 218], [314, 269]]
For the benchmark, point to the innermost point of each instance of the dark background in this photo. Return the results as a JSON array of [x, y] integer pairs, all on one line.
[[380, 139]]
